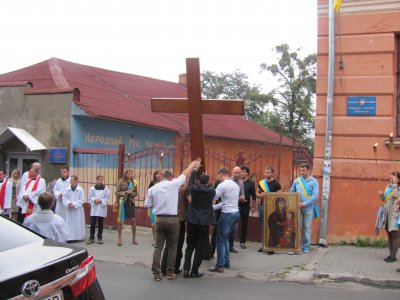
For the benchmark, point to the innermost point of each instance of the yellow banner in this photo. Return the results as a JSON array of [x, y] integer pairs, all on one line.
[[336, 5]]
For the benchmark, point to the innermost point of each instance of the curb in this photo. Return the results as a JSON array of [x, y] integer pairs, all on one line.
[[387, 283]]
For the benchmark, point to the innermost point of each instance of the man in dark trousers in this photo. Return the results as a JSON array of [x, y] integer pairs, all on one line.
[[199, 216], [244, 207], [163, 197]]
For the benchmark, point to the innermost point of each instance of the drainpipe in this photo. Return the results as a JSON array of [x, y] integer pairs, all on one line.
[[326, 180]]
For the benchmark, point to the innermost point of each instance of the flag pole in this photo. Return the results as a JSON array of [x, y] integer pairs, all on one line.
[[326, 179]]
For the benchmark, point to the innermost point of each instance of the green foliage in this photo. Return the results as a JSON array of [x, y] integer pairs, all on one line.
[[293, 99], [363, 242], [371, 242], [235, 86], [291, 104]]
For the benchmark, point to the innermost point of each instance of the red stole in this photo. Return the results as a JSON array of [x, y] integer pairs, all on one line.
[[30, 204], [3, 193]]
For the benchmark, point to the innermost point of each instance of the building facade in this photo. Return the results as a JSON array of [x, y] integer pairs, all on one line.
[[365, 112]]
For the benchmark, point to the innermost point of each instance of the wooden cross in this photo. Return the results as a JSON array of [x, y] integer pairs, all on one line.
[[196, 107]]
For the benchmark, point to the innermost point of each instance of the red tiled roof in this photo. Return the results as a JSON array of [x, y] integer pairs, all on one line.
[[126, 97]]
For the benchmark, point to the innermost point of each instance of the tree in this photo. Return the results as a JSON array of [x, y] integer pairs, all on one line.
[[235, 86], [293, 99]]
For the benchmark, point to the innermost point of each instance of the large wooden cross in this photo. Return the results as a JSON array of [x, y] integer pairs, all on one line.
[[196, 107]]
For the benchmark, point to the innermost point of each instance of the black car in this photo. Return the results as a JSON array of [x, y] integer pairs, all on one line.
[[33, 266]]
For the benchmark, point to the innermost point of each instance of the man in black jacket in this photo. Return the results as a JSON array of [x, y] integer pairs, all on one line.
[[244, 207], [199, 216]]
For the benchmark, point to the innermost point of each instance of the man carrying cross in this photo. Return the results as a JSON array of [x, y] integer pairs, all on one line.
[[196, 107]]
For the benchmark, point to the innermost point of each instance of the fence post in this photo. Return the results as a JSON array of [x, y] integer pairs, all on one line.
[[121, 157]]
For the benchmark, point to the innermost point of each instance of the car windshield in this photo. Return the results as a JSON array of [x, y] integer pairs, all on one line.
[[13, 235]]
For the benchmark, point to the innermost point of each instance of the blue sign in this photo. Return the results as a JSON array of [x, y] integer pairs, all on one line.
[[58, 155], [361, 106]]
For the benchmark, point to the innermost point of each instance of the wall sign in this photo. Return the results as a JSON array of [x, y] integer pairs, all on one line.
[[58, 155], [361, 106]]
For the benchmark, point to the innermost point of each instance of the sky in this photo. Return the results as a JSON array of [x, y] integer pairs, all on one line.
[[153, 37]]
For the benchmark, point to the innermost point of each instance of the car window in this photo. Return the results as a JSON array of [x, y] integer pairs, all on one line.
[[13, 235]]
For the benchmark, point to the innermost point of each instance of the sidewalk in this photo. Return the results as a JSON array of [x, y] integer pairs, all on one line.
[[337, 263]]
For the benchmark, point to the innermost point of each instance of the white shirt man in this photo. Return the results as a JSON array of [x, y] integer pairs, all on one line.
[[73, 200], [5, 194], [163, 197], [229, 191], [31, 191], [157, 195], [59, 189], [46, 222]]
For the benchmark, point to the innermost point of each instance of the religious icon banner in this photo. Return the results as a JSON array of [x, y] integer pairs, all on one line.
[[282, 222]]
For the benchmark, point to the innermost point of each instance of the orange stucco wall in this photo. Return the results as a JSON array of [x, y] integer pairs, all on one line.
[[368, 45]]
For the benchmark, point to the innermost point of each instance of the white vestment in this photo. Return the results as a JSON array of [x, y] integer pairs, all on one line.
[[98, 209], [33, 195], [59, 188], [48, 224], [23, 181], [7, 194], [75, 217]]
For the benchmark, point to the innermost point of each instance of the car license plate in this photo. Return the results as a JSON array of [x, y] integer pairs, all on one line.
[[55, 296]]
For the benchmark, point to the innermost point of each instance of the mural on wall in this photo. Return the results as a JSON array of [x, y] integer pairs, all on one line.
[[98, 134]]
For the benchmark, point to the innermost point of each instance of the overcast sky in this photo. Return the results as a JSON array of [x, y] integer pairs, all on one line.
[[153, 37]]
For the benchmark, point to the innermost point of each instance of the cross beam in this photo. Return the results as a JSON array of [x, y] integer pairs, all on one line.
[[196, 107]]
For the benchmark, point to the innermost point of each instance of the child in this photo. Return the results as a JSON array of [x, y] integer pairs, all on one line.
[[287, 239], [98, 199], [73, 199]]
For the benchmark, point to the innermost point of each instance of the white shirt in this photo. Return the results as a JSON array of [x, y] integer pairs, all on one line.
[[59, 188], [48, 224], [98, 209], [33, 195], [229, 191], [163, 196], [7, 194]]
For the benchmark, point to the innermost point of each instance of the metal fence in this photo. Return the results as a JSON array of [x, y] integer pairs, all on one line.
[[111, 163]]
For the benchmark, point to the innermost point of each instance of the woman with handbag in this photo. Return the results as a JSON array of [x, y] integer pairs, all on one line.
[[125, 203], [390, 215]]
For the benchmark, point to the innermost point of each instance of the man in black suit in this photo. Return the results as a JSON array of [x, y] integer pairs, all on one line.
[[199, 216]]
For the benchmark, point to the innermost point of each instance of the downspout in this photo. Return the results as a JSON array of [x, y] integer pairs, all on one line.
[[326, 180]]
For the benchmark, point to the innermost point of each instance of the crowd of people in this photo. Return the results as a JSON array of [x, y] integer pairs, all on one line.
[[225, 204], [57, 214], [179, 208]]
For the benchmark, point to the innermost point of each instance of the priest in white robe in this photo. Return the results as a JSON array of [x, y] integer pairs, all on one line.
[[98, 199], [45, 222], [28, 199], [5, 194], [25, 177], [59, 189], [73, 200]]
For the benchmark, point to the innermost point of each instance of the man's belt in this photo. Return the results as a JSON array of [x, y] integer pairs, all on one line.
[[167, 216]]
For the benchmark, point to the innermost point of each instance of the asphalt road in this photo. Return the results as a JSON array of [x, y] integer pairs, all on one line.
[[121, 281]]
